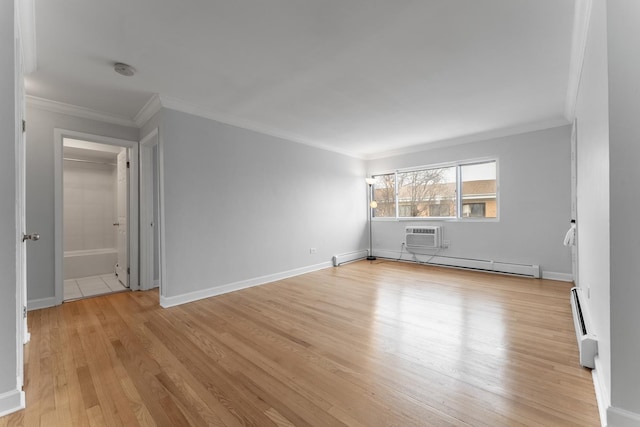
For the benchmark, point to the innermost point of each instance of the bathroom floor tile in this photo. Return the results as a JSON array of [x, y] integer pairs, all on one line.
[[71, 290], [115, 285], [89, 291], [89, 281], [92, 286]]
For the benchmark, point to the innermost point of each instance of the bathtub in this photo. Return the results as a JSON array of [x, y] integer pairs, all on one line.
[[90, 262]]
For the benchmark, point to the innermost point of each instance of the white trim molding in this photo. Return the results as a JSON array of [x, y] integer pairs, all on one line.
[[37, 304], [27, 22], [617, 417], [11, 401], [600, 386], [196, 110], [76, 111], [153, 105], [167, 302], [552, 275], [581, 18], [476, 137]]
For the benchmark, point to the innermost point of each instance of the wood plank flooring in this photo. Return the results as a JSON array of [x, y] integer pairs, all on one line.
[[365, 344]]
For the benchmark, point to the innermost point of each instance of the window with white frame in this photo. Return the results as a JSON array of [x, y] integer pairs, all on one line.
[[460, 190]]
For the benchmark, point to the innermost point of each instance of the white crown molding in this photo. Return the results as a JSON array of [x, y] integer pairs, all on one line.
[[482, 136], [581, 18], [156, 102], [27, 30], [82, 112], [152, 106], [193, 109]]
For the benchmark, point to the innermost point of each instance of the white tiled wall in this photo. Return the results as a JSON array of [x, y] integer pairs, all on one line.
[[89, 206], [89, 263]]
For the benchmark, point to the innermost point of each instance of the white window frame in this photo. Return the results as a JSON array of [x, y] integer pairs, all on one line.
[[459, 202]]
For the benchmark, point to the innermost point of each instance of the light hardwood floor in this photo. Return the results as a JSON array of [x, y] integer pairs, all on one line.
[[365, 344]]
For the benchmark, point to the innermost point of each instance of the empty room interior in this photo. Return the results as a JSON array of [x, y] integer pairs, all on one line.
[[320, 213]]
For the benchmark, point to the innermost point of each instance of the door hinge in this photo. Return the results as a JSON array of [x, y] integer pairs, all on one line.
[[128, 165], [24, 126], [128, 270], [24, 312]]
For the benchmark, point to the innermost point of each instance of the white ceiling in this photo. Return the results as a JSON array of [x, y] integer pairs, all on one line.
[[356, 76]]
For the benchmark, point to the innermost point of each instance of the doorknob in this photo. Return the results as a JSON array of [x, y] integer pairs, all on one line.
[[116, 223], [33, 237]]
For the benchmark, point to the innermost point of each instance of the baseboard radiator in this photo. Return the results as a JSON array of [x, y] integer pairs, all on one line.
[[530, 270], [587, 342], [349, 257], [493, 266]]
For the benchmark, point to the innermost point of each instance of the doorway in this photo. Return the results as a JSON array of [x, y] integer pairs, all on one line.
[[95, 234], [96, 210]]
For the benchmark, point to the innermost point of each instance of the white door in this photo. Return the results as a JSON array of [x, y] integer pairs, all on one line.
[[22, 335], [20, 193], [122, 268], [147, 208]]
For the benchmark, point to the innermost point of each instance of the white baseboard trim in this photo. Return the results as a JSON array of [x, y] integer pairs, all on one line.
[[156, 283], [167, 302], [617, 417], [602, 396], [472, 264], [562, 277], [36, 304], [11, 401]]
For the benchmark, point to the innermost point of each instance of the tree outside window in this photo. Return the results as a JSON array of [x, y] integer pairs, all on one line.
[[433, 192]]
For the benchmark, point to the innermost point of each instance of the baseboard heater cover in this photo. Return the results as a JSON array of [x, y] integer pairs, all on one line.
[[531, 270], [496, 266], [587, 342], [349, 256]]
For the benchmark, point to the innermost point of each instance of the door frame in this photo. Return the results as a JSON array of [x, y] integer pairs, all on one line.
[[59, 135], [22, 332], [122, 160], [574, 202], [148, 235]]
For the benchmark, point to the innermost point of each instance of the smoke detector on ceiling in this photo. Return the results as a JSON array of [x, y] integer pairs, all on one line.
[[124, 69]]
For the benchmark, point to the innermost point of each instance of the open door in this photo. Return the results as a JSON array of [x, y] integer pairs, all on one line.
[[122, 267], [149, 212]]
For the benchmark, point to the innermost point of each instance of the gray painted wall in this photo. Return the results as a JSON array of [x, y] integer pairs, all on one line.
[[241, 205], [535, 201], [624, 154], [8, 327], [40, 189], [593, 186]]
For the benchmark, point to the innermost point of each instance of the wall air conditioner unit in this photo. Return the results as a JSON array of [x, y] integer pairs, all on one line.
[[587, 342], [422, 237]]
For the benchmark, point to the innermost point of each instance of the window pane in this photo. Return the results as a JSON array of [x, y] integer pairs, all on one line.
[[427, 193], [384, 194], [479, 190]]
